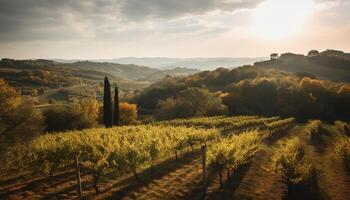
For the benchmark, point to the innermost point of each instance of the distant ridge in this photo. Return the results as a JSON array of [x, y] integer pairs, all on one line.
[[170, 63], [331, 65]]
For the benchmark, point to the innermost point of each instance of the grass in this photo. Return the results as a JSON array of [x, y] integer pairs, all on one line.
[[343, 150]]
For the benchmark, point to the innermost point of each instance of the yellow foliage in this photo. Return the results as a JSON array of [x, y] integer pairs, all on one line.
[[128, 113], [312, 84], [9, 98]]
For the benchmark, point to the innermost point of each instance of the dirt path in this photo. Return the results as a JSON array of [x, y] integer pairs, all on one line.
[[333, 181], [254, 181], [172, 181], [259, 183]]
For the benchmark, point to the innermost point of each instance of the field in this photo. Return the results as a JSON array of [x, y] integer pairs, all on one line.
[[163, 161]]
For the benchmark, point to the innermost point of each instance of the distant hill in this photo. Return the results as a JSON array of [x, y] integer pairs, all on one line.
[[331, 64], [170, 63], [131, 72], [52, 80], [177, 72], [25, 70]]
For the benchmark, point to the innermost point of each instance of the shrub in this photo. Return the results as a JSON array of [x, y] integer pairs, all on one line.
[[66, 118]]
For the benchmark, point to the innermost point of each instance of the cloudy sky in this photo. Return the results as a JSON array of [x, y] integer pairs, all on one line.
[[89, 29]]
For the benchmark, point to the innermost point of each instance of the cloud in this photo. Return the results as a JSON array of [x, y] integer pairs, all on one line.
[[71, 19], [129, 27], [140, 10]]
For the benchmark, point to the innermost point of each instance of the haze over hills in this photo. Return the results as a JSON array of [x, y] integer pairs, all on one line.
[[65, 79], [122, 71], [52, 80], [169, 63]]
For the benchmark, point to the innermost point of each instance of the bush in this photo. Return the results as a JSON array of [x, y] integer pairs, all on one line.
[[72, 117]]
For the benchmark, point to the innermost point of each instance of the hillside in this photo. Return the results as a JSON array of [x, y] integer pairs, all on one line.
[[131, 72], [50, 80], [175, 72], [253, 90], [330, 65]]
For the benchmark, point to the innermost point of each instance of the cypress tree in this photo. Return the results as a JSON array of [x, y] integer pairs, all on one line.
[[116, 107], [107, 105]]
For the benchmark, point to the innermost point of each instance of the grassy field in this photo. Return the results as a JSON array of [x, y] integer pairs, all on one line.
[[182, 178]]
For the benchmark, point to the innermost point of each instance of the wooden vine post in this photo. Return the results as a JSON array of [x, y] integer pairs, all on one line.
[[80, 190], [204, 171]]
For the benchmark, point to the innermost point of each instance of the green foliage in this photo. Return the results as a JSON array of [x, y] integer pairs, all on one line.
[[288, 161]]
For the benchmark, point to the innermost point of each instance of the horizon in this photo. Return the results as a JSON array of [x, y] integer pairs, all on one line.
[[166, 57], [112, 29]]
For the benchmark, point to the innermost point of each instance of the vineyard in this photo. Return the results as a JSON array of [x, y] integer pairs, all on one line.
[[222, 122], [242, 160]]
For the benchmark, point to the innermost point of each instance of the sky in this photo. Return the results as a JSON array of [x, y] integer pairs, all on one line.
[[106, 29]]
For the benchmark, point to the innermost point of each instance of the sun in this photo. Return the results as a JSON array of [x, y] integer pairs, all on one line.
[[278, 19]]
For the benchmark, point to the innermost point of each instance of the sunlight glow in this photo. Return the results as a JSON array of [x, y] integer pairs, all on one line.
[[278, 19]]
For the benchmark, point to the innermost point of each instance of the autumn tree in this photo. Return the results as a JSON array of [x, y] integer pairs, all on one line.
[[18, 120], [128, 113]]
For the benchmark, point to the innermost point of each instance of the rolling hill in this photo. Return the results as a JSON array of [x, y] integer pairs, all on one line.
[[330, 65], [170, 63], [51, 80]]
